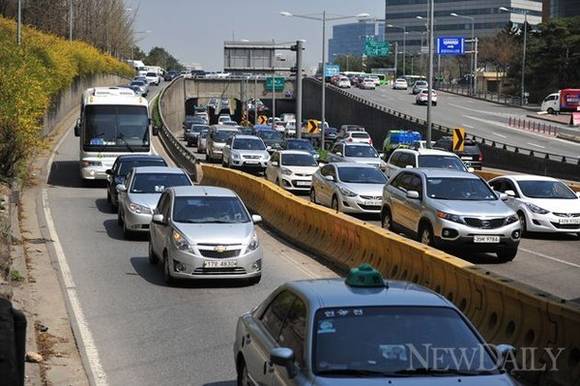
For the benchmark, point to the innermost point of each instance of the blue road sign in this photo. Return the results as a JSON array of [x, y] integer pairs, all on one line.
[[450, 45], [331, 70]]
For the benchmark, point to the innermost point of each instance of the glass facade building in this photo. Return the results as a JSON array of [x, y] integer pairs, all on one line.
[[561, 8], [487, 17], [348, 39]]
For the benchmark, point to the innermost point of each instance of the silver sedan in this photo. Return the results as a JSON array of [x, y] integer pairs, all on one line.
[[349, 187], [139, 195], [205, 232]]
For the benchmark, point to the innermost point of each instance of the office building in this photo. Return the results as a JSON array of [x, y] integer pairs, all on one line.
[[348, 39], [487, 17], [561, 8]]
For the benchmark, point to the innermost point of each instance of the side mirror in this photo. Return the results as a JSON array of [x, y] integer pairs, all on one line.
[[413, 194], [382, 156], [510, 193], [78, 128], [121, 188], [155, 131], [275, 163], [256, 218], [329, 178], [470, 169], [503, 196], [109, 172], [506, 356], [158, 219], [338, 153], [268, 148], [283, 356], [409, 167], [578, 194]]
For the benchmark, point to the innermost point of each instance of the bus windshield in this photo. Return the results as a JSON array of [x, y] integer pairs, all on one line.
[[113, 127]]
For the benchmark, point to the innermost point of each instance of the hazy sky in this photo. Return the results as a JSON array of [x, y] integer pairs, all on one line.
[[194, 31]]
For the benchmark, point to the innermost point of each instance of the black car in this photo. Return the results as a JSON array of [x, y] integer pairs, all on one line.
[[192, 135], [122, 166], [272, 138], [169, 76], [471, 154]]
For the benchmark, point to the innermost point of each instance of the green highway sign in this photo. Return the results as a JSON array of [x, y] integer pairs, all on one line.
[[278, 83], [374, 47]]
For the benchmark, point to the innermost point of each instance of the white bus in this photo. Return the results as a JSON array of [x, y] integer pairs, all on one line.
[[114, 121]]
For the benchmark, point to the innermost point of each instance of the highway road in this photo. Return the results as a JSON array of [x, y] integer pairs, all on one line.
[[550, 263], [481, 118], [145, 332]]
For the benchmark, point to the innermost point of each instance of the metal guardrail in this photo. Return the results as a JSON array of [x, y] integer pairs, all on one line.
[[447, 130], [510, 100]]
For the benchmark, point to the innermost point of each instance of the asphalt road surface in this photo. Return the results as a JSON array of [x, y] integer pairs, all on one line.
[[481, 118]]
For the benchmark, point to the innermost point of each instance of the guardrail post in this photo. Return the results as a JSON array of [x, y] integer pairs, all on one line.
[[564, 159], [516, 150]]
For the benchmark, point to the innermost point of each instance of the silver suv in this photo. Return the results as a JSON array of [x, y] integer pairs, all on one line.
[[423, 158], [205, 232], [245, 151], [216, 140], [451, 209], [356, 152]]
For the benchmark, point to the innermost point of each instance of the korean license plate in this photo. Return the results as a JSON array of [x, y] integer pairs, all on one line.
[[252, 162], [220, 264], [486, 239], [372, 203], [569, 221], [302, 183], [466, 158]]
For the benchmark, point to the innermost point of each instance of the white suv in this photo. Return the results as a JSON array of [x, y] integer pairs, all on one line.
[[423, 158], [152, 78]]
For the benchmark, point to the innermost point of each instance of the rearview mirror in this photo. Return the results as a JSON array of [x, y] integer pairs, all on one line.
[[155, 131], [503, 196], [338, 153], [256, 218], [274, 163], [510, 193], [409, 167], [109, 172], [78, 128], [121, 188], [283, 356], [578, 194], [470, 170], [413, 195], [158, 219]]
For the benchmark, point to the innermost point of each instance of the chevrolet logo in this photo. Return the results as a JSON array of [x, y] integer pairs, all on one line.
[[220, 249]]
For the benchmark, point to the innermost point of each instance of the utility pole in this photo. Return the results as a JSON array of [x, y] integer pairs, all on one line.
[[430, 74], [524, 56], [273, 97], [299, 48], [323, 107], [19, 24], [396, 57], [256, 100], [475, 65], [70, 20]]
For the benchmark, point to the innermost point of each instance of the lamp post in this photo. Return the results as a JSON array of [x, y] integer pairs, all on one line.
[[323, 18], [523, 89], [430, 73], [473, 53], [404, 44]]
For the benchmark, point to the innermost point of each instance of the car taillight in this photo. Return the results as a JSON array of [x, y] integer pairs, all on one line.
[[480, 156], [370, 141], [350, 140]]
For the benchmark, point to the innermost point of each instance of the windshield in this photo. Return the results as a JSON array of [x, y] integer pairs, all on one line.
[[546, 189], [441, 162], [222, 135], [137, 83], [127, 165], [378, 341], [151, 74], [360, 151], [271, 135], [116, 126], [198, 128], [464, 189], [208, 209], [298, 160], [300, 145], [248, 144], [157, 182], [361, 175]]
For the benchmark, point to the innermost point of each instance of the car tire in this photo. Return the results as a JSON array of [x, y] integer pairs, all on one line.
[[426, 234], [550, 110], [108, 196], [386, 219], [506, 255], [224, 162], [313, 196], [523, 223], [127, 233], [334, 204], [119, 218], [243, 378], [153, 258], [167, 278]]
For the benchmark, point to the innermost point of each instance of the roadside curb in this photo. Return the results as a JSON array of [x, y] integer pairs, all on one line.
[[569, 137], [543, 118]]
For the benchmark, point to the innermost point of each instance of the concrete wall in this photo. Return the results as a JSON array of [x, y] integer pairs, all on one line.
[[70, 98], [236, 89], [173, 106]]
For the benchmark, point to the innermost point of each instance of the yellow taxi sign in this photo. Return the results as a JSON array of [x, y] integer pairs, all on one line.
[[458, 139]]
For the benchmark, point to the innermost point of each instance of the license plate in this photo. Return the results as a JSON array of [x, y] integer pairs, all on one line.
[[252, 162], [467, 158], [302, 183], [486, 239], [220, 264], [569, 221], [372, 203]]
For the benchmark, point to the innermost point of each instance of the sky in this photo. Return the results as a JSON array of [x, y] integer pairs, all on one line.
[[194, 31]]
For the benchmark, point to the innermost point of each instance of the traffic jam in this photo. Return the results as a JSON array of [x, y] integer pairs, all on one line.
[[323, 331]]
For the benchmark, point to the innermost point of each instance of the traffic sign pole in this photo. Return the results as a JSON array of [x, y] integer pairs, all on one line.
[[299, 48]]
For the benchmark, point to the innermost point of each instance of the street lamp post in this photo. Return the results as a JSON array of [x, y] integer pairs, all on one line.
[[324, 19], [473, 53], [70, 20], [523, 89], [430, 74], [404, 44]]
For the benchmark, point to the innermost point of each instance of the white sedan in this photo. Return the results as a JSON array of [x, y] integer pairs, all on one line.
[[400, 84], [423, 97], [291, 169], [543, 204]]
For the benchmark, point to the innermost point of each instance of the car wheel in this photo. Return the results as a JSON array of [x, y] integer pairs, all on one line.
[[334, 204], [167, 278], [153, 259], [313, 196], [224, 162], [386, 219], [506, 255], [127, 233], [243, 377], [426, 234], [119, 218], [523, 223], [108, 196], [550, 110]]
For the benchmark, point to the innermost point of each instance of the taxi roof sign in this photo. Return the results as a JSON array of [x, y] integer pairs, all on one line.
[[364, 276]]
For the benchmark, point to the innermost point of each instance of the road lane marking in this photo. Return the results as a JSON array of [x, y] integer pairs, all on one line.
[[533, 144], [468, 126], [499, 135], [550, 258]]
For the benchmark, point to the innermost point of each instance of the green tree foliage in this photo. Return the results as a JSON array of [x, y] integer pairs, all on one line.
[[160, 57]]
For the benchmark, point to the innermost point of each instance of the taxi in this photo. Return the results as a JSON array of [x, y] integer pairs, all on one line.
[[363, 331]]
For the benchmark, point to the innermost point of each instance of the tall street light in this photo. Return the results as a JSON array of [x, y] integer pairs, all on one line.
[[473, 45], [323, 18], [429, 27], [523, 90], [404, 44]]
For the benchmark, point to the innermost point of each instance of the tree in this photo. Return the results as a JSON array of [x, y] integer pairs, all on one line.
[[500, 51], [160, 57]]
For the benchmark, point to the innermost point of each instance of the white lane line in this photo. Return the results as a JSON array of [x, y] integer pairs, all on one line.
[[86, 337], [533, 144], [550, 258], [468, 126], [499, 135]]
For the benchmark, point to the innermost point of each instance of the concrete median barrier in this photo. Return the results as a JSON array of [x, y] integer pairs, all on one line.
[[503, 311]]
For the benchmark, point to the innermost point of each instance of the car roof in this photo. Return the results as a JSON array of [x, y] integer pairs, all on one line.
[[282, 152], [241, 136], [157, 169], [297, 140], [352, 165], [202, 190], [356, 143], [322, 293], [528, 177], [140, 157], [444, 173], [426, 151]]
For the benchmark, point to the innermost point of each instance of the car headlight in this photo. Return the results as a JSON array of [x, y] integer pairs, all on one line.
[[236, 156], [180, 241], [266, 157], [91, 163], [536, 209], [286, 172], [139, 209], [346, 192], [511, 219], [254, 242], [316, 155], [450, 217]]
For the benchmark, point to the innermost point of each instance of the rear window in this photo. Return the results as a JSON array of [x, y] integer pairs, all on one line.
[[359, 135], [151, 74], [157, 182], [126, 166]]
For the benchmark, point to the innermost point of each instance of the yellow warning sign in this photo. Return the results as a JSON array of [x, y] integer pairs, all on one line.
[[458, 139]]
